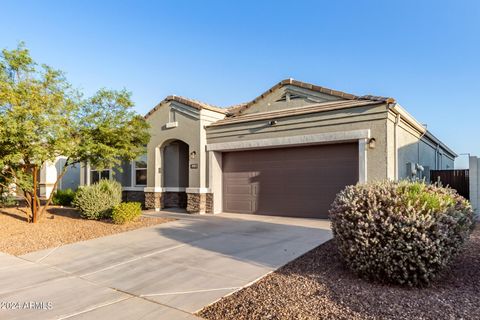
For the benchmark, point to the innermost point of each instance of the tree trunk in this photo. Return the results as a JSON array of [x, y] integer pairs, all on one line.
[[35, 202], [49, 200], [28, 198], [32, 198]]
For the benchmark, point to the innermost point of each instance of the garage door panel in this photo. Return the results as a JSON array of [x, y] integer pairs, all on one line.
[[241, 206], [238, 189], [300, 181]]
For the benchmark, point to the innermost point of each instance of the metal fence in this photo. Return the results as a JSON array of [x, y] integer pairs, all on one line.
[[455, 179]]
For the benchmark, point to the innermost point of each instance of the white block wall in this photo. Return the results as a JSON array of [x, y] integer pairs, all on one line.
[[474, 172], [48, 176]]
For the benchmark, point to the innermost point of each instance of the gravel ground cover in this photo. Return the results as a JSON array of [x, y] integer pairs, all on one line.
[[318, 286], [59, 226]]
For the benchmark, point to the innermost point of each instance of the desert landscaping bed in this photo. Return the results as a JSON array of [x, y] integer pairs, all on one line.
[[60, 226], [318, 286]]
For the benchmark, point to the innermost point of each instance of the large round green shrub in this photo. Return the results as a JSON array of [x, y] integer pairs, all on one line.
[[400, 232], [97, 200]]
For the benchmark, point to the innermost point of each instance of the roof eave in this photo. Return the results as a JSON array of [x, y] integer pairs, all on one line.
[[309, 86], [299, 111], [407, 117], [186, 102]]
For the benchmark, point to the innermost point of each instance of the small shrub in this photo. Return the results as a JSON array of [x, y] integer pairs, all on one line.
[[400, 232], [6, 200], [63, 197], [97, 201], [126, 212]]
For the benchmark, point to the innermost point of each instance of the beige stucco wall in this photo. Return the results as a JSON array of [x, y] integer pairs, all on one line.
[[187, 131], [190, 129], [395, 145], [414, 147], [370, 117], [193, 127], [175, 165], [269, 101], [207, 117], [391, 148]]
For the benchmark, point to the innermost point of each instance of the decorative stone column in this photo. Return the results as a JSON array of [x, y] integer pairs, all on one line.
[[209, 203], [153, 200], [199, 201]]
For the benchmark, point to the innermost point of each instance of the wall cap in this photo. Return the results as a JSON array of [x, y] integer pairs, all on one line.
[[133, 189], [309, 139], [197, 190], [152, 189]]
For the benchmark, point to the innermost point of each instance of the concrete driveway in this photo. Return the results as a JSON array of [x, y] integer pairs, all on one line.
[[168, 271]]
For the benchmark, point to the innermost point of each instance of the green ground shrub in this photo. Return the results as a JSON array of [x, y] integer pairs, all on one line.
[[63, 197], [6, 197], [126, 212], [6, 200], [98, 200], [400, 232]]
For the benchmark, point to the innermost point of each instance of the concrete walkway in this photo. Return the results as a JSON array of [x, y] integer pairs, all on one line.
[[168, 271]]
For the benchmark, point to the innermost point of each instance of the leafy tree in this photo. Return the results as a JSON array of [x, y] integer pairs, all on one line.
[[42, 117]]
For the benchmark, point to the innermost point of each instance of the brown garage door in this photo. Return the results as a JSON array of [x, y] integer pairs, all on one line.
[[298, 182]]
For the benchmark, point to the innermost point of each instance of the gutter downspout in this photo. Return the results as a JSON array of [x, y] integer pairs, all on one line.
[[418, 144], [395, 145]]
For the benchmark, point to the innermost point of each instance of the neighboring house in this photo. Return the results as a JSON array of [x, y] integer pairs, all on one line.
[[49, 173], [287, 152]]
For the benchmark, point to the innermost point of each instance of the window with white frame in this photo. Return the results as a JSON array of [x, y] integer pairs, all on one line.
[[99, 174], [140, 171]]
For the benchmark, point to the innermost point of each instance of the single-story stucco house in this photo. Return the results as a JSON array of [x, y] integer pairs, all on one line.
[[287, 152]]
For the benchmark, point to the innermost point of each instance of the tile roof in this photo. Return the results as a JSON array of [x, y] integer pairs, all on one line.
[[232, 109], [189, 102], [238, 110], [313, 108]]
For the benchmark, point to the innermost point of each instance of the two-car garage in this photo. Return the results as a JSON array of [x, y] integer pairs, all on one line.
[[295, 181], [287, 152]]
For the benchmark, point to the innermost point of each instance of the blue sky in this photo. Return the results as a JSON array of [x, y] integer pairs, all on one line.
[[423, 53]]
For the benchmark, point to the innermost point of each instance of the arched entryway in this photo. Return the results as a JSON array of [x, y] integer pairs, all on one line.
[[175, 174]]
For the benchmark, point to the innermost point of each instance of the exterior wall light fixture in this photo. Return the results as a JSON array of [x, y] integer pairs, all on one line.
[[371, 143], [193, 155]]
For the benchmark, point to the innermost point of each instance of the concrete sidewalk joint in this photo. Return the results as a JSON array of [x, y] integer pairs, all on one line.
[[169, 271]]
